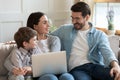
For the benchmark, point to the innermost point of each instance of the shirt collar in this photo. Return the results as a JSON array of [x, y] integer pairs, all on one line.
[[92, 29], [23, 51]]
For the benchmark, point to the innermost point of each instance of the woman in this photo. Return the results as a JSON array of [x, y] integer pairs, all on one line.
[[47, 43]]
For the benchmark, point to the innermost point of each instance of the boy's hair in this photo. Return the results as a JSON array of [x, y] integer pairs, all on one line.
[[81, 7], [34, 19], [24, 34]]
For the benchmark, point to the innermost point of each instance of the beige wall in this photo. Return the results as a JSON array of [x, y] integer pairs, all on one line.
[[14, 14]]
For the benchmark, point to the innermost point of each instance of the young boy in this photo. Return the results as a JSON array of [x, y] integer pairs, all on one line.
[[20, 56]]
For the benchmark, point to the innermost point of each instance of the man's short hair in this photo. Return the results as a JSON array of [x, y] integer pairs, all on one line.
[[81, 7]]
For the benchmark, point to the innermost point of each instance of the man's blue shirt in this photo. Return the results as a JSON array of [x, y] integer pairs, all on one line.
[[99, 47]]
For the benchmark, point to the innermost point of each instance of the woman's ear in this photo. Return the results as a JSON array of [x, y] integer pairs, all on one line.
[[34, 26]]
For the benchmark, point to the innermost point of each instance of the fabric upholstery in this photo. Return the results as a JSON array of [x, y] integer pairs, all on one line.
[[4, 52], [114, 43]]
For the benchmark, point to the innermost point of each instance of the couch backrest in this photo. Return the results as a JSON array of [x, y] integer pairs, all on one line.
[[6, 48], [4, 52], [114, 43]]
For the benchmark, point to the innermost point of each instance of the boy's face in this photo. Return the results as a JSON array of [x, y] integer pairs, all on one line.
[[31, 44]]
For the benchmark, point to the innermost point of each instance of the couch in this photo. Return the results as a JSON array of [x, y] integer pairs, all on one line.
[[6, 48], [4, 52]]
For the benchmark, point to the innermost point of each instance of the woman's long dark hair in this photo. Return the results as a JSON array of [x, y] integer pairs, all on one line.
[[33, 19]]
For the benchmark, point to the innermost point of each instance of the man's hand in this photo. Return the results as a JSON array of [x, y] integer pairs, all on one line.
[[115, 71]]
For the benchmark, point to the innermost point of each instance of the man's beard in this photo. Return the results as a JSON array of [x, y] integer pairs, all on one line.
[[78, 26]]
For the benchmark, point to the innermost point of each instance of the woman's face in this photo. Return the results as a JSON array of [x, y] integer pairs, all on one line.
[[43, 25]]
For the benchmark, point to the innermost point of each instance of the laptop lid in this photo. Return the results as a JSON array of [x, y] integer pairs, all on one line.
[[51, 62]]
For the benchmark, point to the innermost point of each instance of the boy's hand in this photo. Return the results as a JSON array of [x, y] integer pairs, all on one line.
[[15, 70], [28, 68], [22, 71], [19, 71]]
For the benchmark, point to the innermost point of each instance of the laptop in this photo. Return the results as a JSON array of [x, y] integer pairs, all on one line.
[[51, 62]]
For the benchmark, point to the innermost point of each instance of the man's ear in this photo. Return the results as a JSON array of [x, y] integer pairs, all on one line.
[[87, 17]]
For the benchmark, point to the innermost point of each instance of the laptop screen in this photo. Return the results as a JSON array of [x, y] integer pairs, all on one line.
[[51, 62]]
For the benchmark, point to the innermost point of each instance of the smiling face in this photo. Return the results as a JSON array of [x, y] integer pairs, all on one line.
[[80, 14], [43, 26], [79, 21]]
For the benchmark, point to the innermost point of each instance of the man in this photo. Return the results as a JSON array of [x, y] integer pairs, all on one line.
[[89, 54]]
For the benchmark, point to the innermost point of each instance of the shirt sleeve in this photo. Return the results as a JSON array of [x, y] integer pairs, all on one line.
[[12, 60], [55, 44], [16, 58], [8, 64], [106, 51]]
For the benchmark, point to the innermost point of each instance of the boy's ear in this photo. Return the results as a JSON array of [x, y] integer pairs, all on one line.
[[24, 43]]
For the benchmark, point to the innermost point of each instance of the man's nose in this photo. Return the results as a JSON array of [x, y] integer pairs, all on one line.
[[74, 21]]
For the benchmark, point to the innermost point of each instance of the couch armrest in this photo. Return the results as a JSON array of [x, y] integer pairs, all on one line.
[[4, 52]]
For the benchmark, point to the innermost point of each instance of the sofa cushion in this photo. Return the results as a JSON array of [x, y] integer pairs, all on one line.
[[4, 52], [3, 78]]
